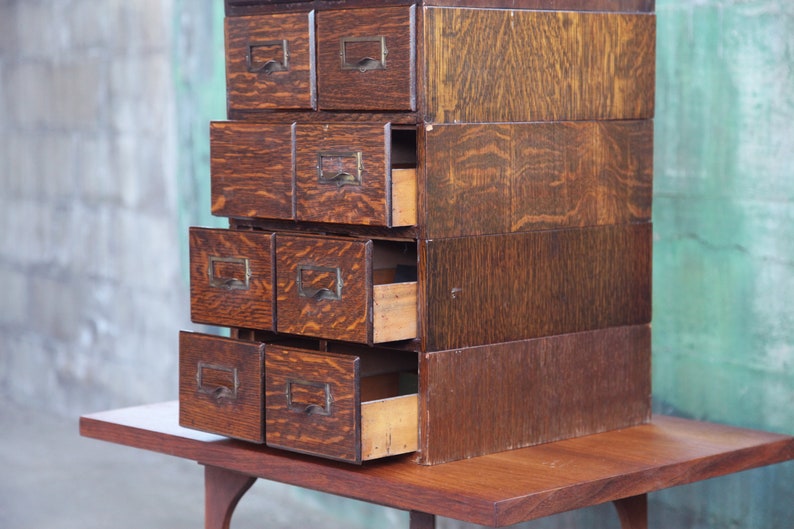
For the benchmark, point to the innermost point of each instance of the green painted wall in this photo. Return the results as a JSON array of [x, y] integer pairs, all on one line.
[[199, 77], [724, 238], [723, 321]]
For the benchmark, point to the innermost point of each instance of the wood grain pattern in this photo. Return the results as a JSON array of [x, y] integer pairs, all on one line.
[[523, 393], [252, 169], [221, 386], [389, 427], [223, 490], [249, 86], [391, 88], [512, 287], [240, 7], [505, 178], [394, 312], [214, 300], [313, 403], [366, 201], [495, 490], [627, 6], [342, 266], [493, 65]]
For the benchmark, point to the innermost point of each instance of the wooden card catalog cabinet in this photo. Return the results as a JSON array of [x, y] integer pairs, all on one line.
[[439, 237]]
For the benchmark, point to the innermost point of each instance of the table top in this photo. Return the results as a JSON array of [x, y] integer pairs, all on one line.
[[494, 490]]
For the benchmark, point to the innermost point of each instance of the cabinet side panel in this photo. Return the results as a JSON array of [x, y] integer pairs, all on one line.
[[505, 396], [494, 65], [503, 178], [513, 287]]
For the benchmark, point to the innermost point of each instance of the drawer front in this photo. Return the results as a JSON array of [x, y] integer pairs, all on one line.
[[270, 62], [312, 402], [251, 166], [367, 59], [324, 287], [231, 278], [342, 173], [221, 386]]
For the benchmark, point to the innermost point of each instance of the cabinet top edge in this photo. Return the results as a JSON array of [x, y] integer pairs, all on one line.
[[252, 7]]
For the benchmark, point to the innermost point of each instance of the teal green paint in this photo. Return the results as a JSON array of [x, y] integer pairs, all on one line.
[[723, 213], [723, 320], [200, 87]]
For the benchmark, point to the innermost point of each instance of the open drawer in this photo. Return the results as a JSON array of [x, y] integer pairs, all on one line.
[[346, 289], [349, 407], [340, 173]]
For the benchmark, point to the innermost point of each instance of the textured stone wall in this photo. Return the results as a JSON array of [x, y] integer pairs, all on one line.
[[92, 288]]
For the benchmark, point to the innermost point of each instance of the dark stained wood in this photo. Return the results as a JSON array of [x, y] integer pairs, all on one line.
[[364, 201], [252, 169], [567, 5], [420, 520], [231, 278], [239, 7], [633, 512], [221, 387], [392, 86], [313, 403], [511, 287], [253, 41], [495, 490], [492, 65], [223, 489], [407, 234], [334, 297], [243, 7], [505, 396], [503, 178], [403, 118]]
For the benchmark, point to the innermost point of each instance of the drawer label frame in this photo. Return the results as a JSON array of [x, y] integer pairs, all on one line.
[[322, 409]]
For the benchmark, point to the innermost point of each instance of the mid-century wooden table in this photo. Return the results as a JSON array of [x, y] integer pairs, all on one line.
[[494, 490]]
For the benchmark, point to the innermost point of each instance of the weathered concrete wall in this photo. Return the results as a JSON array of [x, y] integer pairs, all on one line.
[[89, 247]]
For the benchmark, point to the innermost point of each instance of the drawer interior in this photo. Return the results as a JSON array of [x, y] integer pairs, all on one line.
[[389, 388], [394, 291], [341, 401]]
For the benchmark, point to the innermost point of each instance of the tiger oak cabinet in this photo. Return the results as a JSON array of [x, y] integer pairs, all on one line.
[[439, 233]]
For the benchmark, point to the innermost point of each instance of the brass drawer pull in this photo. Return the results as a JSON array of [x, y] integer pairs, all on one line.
[[340, 168], [312, 275], [301, 394], [219, 273], [218, 381], [269, 48], [361, 48]]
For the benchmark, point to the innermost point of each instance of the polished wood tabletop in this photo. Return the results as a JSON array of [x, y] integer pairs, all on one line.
[[495, 490]]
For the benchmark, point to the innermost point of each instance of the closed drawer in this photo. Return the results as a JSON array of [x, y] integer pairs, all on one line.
[[252, 169], [231, 278], [270, 62], [221, 386], [366, 59], [362, 174], [346, 289], [341, 406]]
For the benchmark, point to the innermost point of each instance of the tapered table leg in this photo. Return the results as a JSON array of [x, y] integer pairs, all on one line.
[[633, 512], [222, 490], [422, 520]]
